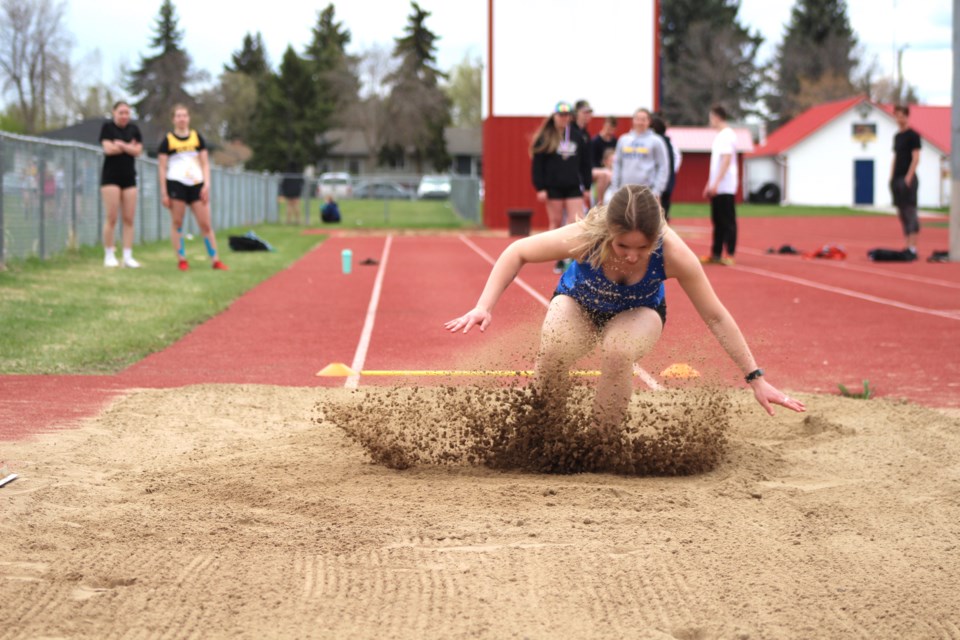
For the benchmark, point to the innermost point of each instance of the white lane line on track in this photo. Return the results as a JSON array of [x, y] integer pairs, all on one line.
[[835, 264], [519, 281], [648, 379], [949, 315], [839, 264], [361, 354]]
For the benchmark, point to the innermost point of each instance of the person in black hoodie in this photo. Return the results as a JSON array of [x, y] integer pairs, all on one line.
[[560, 167], [599, 145], [583, 114], [659, 126]]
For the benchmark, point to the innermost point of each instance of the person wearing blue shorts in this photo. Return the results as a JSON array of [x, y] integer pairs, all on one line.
[[613, 295]]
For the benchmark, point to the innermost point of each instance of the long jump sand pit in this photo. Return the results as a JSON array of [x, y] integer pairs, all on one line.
[[222, 511]]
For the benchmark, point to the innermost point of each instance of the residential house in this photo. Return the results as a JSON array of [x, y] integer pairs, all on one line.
[[840, 153]]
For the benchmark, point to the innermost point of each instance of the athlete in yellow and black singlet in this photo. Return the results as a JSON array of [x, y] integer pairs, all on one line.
[[183, 168], [184, 171]]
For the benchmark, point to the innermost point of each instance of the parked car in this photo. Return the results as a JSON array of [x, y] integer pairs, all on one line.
[[12, 182], [337, 185], [434, 187], [382, 190]]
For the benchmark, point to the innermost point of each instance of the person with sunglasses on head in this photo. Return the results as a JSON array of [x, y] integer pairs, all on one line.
[[560, 166]]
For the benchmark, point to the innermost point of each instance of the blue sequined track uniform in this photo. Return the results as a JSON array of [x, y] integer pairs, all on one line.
[[603, 299]]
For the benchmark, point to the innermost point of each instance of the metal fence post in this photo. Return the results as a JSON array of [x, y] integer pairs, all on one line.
[[307, 200], [73, 242], [42, 201], [3, 234], [139, 222], [99, 215], [158, 209]]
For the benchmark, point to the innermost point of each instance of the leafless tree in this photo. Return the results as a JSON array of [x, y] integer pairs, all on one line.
[[881, 87], [34, 57], [369, 114], [464, 88]]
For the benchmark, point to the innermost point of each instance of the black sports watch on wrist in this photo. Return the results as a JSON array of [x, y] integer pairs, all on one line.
[[753, 375]]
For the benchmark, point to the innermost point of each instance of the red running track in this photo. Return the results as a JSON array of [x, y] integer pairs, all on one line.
[[811, 323]]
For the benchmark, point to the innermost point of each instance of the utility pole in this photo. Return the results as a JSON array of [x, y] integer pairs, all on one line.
[[901, 98], [955, 141]]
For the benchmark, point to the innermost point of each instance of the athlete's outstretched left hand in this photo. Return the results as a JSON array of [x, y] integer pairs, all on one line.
[[767, 395], [476, 317]]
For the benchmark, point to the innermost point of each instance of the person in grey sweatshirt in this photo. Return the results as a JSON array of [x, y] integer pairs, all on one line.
[[641, 157]]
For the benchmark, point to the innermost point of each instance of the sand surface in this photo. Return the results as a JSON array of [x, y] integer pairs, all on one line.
[[223, 511]]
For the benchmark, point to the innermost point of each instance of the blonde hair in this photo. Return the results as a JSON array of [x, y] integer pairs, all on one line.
[[177, 107], [632, 208], [547, 137]]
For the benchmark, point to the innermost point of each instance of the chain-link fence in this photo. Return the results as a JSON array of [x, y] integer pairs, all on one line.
[[50, 198], [464, 193]]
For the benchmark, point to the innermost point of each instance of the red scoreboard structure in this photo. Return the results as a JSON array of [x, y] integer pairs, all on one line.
[[542, 51]]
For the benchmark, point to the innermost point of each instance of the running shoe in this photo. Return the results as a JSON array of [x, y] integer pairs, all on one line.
[[219, 266], [130, 263], [727, 262], [182, 264], [709, 260], [110, 260]]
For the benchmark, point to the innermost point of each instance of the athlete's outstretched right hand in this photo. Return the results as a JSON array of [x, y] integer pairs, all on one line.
[[477, 317]]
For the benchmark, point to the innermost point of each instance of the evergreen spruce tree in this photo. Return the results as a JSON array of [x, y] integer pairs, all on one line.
[[241, 83], [335, 85], [161, 79], [418, 108], [708, 57], [251, 59], [816, 59], [282, 131]]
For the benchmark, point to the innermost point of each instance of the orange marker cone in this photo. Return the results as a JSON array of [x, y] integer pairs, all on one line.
[[680, 370], [336, 370]]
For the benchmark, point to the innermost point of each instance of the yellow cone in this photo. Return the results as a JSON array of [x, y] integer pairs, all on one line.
[[336, 370], [680, 370]]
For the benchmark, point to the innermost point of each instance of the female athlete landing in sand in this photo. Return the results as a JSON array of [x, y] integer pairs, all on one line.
[[613, 294]]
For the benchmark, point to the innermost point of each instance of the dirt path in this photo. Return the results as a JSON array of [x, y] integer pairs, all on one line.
[[232, 511]]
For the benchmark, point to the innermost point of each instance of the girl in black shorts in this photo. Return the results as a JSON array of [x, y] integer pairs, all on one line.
[[184, 172], [122, 144], [560, 167]]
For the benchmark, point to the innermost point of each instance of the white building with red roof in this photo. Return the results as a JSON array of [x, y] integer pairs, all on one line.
[[840, 153]]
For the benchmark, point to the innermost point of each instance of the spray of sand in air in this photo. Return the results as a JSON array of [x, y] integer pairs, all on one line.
[[679, 432]]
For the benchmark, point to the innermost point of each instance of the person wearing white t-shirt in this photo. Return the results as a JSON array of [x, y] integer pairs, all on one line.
[[721, 188]]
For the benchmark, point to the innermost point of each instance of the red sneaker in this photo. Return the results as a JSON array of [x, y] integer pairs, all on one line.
[[219, 266], [182, 264]]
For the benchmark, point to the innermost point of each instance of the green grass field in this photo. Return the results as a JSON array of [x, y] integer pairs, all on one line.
[[71, 315], [380, 214]]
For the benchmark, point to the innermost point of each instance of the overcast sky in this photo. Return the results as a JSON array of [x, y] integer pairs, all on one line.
[[214, 29]]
